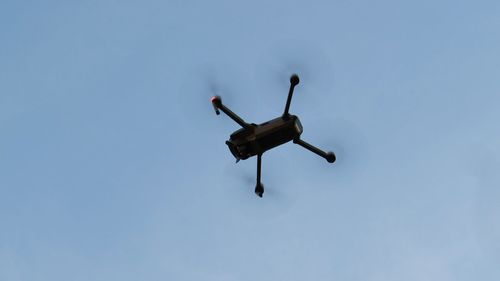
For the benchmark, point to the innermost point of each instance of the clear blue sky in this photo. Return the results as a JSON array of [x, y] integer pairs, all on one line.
[[113, 164]]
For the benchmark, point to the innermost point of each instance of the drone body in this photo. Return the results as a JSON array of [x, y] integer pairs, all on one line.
[[257, 139], [253, 139]]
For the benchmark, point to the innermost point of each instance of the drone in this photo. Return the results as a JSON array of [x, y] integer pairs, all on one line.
[[253, 139]]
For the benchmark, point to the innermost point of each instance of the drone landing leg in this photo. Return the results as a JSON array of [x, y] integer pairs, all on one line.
[[217, 104], [329, 156], [294, 80], [259, 188]]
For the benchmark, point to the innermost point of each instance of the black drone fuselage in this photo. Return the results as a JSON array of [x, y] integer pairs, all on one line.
[[254, 140], [257, 139]]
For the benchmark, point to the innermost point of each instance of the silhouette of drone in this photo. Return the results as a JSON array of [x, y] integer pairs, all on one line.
[[253, 139]]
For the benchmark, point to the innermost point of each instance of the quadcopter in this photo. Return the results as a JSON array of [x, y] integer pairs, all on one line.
[[253, 139]]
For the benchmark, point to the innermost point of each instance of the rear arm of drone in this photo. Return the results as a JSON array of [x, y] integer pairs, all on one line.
[[329, 156], [294, 81], [217, 104]]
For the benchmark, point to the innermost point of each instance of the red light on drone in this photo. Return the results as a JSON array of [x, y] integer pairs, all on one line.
[[215, 102]]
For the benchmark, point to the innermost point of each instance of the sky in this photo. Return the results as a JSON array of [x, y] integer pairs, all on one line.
[[113, 164]]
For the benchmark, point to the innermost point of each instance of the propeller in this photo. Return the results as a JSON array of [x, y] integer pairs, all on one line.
[[280, 61], [205, 81], [233, 82], [345, 139]]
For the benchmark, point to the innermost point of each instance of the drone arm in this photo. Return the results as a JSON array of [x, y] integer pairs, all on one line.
[[217, 104], [294, 80], [259, 188], [329, 156]]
